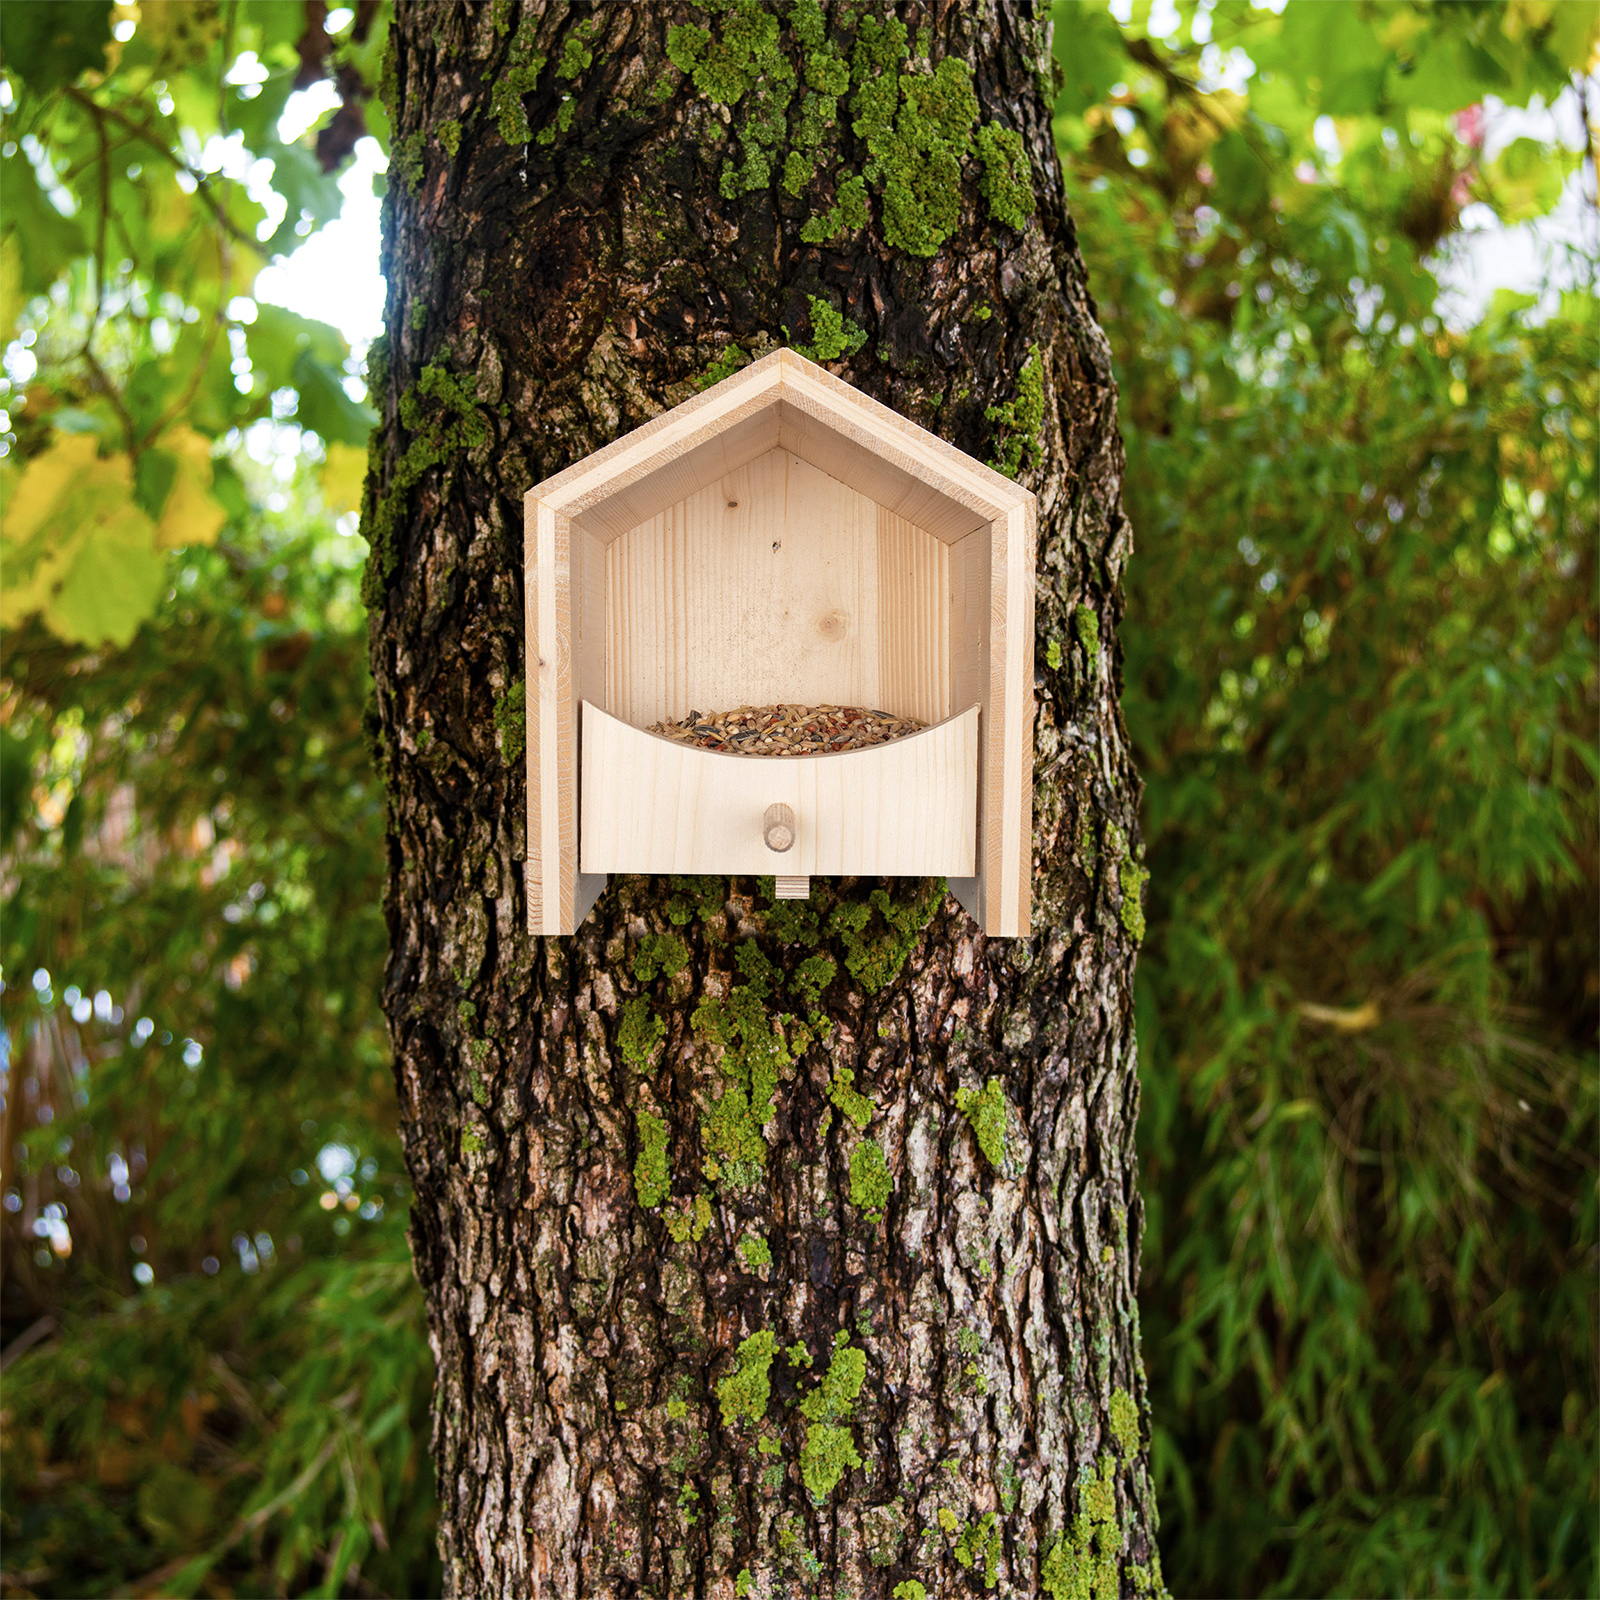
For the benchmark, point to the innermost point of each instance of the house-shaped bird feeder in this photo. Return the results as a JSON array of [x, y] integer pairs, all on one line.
[[780, 541]]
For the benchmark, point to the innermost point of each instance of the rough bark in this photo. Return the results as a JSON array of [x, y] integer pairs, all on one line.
[[580, 232]]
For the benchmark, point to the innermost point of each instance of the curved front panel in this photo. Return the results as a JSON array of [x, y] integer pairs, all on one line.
[[907, 808]]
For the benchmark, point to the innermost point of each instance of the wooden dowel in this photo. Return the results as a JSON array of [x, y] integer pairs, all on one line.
[[777, 827]]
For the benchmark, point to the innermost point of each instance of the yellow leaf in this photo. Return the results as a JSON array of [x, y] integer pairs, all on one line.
[[1347, 1019], [190, 515], [76, 548], [11, 297], [343, 474], [180, 31]]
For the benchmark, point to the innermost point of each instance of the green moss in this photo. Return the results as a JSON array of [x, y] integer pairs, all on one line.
[[450, 137], [663, 953], [511, 718], [727, 362], [640, 1032], [811, 977], [918, 129], [1052, 654], [872, 958], [909, 1589], [834, 1398], [756, 1251], [724, 66], [1083, 1563], [678, 1410], [575, 53], [743, 1583], [519, 77], [798, 170], [564, 115], [807, 23], [870, 1184], [1088, 625], [828, 1453], [1007, 180], [405, 160], [754, 963], [652, 1179], [798, 1355], [695, 898], [754, 1054], [1125, 1422], [832, 334], [744, 1393], [855, 1105], [829, 1450], [978, 1549], [986, 1110], [741, 62], [732, 1135], [1020, 421], [948, 1520], [692, 1221], [847, 214], [442, 416], [1132, 878]]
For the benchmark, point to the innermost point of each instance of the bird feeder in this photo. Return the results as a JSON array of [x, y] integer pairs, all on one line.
[[779, 539]]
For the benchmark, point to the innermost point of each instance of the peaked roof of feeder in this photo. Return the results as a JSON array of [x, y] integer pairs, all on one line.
[[782, 401]]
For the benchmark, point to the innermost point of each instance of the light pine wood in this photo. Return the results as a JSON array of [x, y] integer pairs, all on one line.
[[914, 616], [761, 589], [791, 888], [778, 827], [907, 584], [654, 805]]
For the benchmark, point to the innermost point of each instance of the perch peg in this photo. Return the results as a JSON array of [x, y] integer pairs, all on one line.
[[777, 827]]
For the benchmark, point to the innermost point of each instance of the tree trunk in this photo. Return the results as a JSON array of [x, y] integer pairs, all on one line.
[[768, 1249]]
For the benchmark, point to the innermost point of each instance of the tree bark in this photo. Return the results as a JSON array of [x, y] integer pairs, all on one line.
[[686, 1347]]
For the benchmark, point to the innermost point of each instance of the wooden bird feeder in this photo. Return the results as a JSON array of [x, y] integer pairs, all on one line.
[[780, 539]]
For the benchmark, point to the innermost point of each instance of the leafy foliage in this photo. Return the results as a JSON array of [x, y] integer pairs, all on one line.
[[137, 216], [1361, 678], [204, 1228]]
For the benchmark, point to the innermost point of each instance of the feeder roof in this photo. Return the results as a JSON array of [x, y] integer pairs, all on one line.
[[782, 401]]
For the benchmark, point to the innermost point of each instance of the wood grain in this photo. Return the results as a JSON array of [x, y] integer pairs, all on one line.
[[654, 805], [761, 589], [914, 615], [780, 538]]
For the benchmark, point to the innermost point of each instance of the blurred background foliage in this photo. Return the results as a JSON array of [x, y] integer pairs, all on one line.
[[1361, 675], [1360, 678]]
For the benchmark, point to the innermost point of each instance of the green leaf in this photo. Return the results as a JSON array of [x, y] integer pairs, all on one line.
[[325, 408], [48, 44], [1089, 46], [46, 241], [1525, 180], [277, 340]]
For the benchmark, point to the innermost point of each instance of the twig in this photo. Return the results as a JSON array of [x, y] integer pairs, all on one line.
[[26, 1340]]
